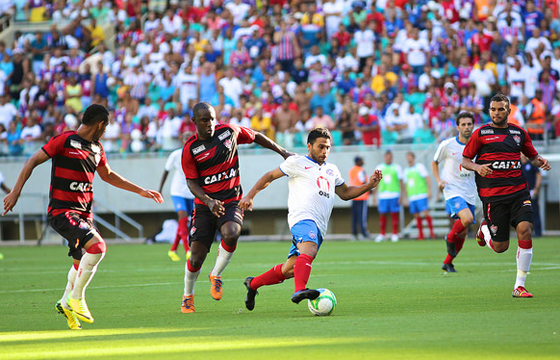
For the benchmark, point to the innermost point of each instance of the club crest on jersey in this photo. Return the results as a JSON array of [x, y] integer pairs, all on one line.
[[312, 235], [224, 135], [75, 144], [228, 143], [193, 230], [494, 229], [330, 172], [517, 139], [83, 225]]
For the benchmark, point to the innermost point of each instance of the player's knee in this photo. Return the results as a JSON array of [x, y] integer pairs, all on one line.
[[98, 247], [500, 247]]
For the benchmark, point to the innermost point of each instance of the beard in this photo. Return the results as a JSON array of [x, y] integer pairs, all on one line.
[[501, 121]]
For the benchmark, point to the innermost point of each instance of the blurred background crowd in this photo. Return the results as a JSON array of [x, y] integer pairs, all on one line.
[[374, 72]]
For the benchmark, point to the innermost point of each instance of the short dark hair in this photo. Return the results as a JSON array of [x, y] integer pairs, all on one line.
[[462, 115], [500, 98], [203, 105], [95, 114], [318, 133]]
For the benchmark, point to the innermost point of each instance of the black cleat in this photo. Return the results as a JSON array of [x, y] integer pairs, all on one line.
[[448, 268], [250, 298], [305, 294]]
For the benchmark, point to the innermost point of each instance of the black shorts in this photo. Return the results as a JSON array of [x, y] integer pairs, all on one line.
[[78, 230], [205, 224], [503, 214]]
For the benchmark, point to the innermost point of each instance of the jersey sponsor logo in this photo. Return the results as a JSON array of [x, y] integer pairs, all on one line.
[[96, 149], [514, 132], [487, 131], [494, 230], [527, 203], [224, 175], [198, 149], [491, 139], [324, 187], [76, 144], [205, 156], [224, 135], [80, 186], [506, 165]]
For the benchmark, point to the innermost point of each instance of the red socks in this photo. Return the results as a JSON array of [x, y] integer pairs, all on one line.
[[382, 223], [183, 232], [302, 270], [456, 229], [271, 277], [525, 244], [430, 226], [97, 248], [190, 267], [395, 222], [419, 226]]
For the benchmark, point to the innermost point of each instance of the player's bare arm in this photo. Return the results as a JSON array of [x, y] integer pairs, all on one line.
[[215, 206], [482, 170], [12, 197], [346, 192], [540, 162], [435, 170], [115, 179], [265, 142], [247, 202]]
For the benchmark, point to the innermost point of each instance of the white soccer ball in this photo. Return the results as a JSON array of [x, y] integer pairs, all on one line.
[[323, 305]]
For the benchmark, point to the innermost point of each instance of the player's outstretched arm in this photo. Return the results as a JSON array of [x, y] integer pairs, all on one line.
[[346, 192], [541, 162], [265, 142], [115, 179], [12, 197], [247, 202]]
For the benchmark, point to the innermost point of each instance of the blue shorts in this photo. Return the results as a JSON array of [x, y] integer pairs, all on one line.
[[389, 206], [183, 204], [417, 206], [303, 231], [456, 204]]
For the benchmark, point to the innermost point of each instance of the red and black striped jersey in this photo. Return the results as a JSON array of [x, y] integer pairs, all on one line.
[[501, 148], [214, 163], [74, 162]]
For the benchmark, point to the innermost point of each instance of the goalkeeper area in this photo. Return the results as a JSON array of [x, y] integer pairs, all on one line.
[[394, 302]]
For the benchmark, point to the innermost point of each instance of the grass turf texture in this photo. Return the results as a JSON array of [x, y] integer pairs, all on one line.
[[394, 302]]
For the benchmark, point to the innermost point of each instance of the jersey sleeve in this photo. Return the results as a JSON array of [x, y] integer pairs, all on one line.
[[171, 160], [440, 152], [527, 148], [338, 180], [244, 135], [473, 145], [55, 145], [189, 165], [103, 159], [422, 170], [1, 178], [290, 166]]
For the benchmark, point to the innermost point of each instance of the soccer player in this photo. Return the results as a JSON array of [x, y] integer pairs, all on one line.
[[211, 166], [358, 176], [183, 201], [312, 184], [459, 188], [418, 190], [76, 156], [502, 187], [389, 196]]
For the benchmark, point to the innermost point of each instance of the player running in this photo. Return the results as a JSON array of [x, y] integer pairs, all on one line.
[[459, 188], [312, 185], [211, 166], [502, 187], [76, 156]]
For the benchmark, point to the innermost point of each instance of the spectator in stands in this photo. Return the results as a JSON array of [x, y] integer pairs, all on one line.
[[322, 98], [13, 139], [320, 120]]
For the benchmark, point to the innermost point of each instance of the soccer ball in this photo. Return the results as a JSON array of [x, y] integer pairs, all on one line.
[[324, 304]]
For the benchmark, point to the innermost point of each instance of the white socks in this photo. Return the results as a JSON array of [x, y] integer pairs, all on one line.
[[224, 257], [524, 257], [69, 285], [88, 267], [190, 280]]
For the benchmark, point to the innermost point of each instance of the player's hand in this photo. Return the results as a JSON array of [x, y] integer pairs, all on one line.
[[10, 201], [545, 165], [484, 170], [152, 194], [216, 207], [441, 184], [246, 203], [375, 178]]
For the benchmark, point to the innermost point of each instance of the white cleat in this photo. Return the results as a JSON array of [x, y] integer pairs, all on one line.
[[394, 238], [380, 238]]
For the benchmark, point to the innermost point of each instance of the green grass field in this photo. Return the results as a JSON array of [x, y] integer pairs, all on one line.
[[394, 302]]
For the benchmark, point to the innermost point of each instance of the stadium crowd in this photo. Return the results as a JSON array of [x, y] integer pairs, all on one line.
[[374, 72]]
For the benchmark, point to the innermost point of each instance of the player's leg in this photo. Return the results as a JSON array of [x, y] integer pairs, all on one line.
[[61, 305], [179, 205], [354, 216], [383, 207], [413, 208], [183, 229], [363, 218], [464, 214], [496, 226], [523, 218], [395, 214], [424, 209], [307, 239], [274, 276]]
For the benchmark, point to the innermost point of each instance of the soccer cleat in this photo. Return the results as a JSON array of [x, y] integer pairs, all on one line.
[[188, 255], [394, 238], [448, 268], [187, 305], [173, 255], [380, 238], [250, 298], [215, 286], [305, 294], [73, 322], [80, 308], [521, 292], [480, 234]]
